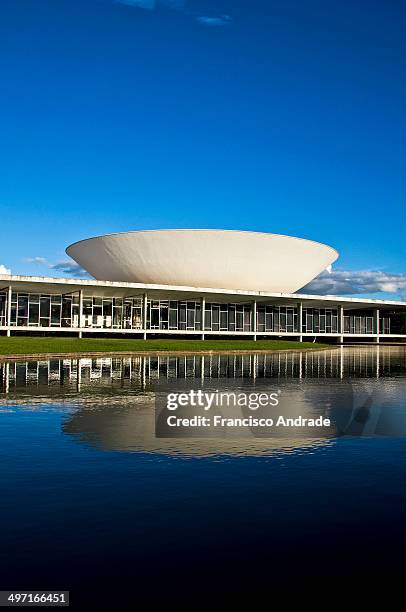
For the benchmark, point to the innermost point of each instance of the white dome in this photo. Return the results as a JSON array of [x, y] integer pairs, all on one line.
[[221, 259]]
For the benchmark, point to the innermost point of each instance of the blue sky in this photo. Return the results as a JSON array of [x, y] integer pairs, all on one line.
[[287, 117]]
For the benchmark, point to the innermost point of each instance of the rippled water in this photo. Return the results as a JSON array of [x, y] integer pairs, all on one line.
[[92, 500]]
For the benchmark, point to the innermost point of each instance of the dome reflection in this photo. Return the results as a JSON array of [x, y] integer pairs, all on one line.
[[109, 402]]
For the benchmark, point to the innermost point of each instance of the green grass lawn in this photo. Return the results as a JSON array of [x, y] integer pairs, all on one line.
[[26, 345]]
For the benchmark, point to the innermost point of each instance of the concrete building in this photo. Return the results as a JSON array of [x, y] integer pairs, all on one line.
[[196, 283]]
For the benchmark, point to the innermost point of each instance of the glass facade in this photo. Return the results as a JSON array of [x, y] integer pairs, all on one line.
[[37, 310], [100, 312], [277, 318], [3, 309], [320, 320], [170, 314], [384, 325], [112, 313], [42, 310], [359, 322], [227, 317]]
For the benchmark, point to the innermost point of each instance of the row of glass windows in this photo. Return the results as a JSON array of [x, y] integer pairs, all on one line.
[[168, 314], [320, 320], [39, 310], [114, 313], [36, 310], [3, 309], [358, 324], [227, 317], [277, 319]]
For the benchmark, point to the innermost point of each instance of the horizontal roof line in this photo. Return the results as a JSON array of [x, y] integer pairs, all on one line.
[[75, 282]]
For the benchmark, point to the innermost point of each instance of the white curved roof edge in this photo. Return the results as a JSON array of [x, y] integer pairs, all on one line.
[[10, 278], [201, 229]]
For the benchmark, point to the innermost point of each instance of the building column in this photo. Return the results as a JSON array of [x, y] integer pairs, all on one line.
[[341, 323], [254, 318], [202, 309], [6, 377], [8, 332], [300, 320], [378, 348], [377, 330], [80, 312], [144, 372], [144, 315], [79, 375]]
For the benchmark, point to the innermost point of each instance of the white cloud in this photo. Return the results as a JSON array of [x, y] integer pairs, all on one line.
[[178, 5], [38, 261], [214, 22], [144, 4], [150, 5], [4, 270], [342, 282], [70, 267]]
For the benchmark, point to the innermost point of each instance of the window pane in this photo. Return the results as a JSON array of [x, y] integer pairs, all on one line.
[[55, 314], [34, 314], [173, 318], [190, 318], [22, 306], [45, 306]]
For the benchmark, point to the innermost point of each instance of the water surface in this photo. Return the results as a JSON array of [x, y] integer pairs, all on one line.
[[91, 501]]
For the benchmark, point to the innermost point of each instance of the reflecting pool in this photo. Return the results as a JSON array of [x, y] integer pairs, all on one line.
[[93, 502]]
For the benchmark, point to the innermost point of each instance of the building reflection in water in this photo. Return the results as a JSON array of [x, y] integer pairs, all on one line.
[[112, 398]]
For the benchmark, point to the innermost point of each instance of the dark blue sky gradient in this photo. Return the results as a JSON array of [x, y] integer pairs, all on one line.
[[289, 118]]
